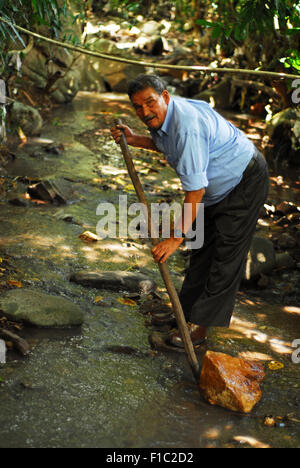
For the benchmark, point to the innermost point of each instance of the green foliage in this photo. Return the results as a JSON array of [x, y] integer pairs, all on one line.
[[126, 6], [243, 20], [28, 13], [292, 60]]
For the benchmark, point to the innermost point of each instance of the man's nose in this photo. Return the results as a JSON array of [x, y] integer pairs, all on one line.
[[146, 110]]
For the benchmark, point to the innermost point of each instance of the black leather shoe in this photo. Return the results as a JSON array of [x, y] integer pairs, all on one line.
[[197, 334]]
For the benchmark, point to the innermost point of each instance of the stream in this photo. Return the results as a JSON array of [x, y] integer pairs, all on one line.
[[101, 384]]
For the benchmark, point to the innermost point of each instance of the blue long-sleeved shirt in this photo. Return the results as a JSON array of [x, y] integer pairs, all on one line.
[[205, 149]]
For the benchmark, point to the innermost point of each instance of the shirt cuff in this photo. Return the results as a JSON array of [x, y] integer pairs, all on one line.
[[193, 182]]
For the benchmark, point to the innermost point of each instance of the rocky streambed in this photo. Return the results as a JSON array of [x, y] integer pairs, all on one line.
[[94, 380]]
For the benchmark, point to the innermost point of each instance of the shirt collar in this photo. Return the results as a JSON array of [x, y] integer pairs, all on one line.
[[165, 126]]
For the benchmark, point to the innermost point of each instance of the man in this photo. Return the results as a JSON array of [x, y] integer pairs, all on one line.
[[217, 166]]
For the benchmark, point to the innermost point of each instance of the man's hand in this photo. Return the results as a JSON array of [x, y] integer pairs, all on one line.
[[117, 133], [164, 249], [139, 141]]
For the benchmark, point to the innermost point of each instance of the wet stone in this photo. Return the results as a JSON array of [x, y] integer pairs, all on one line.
[[261, 258], [231, 382], [115, 281], [40, 309], [286, 241], [51, 190], [26, 117]]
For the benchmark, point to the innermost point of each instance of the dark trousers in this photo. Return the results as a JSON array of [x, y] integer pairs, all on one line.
[[215, 270]]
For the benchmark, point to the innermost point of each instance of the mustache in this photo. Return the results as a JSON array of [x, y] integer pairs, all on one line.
[[150, 117]]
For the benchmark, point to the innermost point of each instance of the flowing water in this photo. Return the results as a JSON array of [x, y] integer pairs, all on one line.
[[101, 385]]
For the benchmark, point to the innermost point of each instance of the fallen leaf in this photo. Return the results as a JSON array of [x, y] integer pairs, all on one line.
[[98, 299], [18, 284], [275, 365], [39, 202], [119, 180], [129, 188], [22, 135], [269, 421], [127, 301]]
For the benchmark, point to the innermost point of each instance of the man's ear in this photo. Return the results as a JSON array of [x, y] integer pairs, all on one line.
[[165, 94]]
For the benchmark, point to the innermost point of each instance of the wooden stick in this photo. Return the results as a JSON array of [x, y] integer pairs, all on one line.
[[177, 308], [19, 343]]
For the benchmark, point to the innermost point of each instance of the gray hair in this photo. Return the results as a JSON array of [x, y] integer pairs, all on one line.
[[142, 82]]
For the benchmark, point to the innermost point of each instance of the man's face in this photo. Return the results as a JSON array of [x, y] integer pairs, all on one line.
[[151, 107]]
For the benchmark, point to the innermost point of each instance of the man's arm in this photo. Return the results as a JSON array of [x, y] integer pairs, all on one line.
[[167, 247], [189, 211], [139, 141]]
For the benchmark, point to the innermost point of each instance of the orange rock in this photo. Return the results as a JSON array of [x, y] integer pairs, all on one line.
[[230, 382]]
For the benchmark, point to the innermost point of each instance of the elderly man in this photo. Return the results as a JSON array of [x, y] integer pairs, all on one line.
[[217, 166]]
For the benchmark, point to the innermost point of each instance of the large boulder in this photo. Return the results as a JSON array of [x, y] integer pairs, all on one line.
[[115, 75], [40, 309], [230, 382], [34, 67], [217, 95], [26, 117], [283, 130], [66, 88], [40, 65]]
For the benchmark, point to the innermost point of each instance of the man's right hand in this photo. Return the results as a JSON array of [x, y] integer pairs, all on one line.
[[117, 133], [139, 141]]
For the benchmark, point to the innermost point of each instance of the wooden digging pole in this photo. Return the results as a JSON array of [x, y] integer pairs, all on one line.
[[177, 309]]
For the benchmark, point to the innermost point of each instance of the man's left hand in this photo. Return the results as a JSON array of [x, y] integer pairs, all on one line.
[[164, 249]]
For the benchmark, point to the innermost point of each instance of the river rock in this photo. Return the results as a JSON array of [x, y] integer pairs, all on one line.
[[218, 94], [66, 88], [115, 281], [284, 260], [27, 118], [115, 75], [284, 132], [40, 309], [59, 190], [150, 28], [230, 382], [34, 67], [286, 241], [261, 258], [41, 64]]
